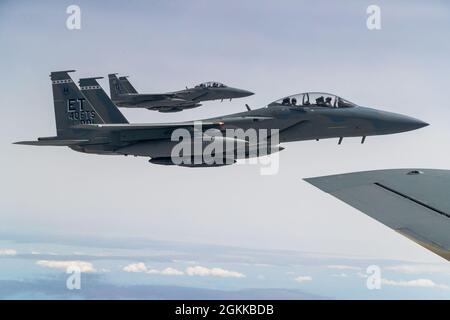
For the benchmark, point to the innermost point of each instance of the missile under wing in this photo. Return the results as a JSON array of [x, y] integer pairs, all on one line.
[[414, 202]]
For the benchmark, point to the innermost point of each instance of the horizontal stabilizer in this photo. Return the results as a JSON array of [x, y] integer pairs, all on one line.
[[52, 142]]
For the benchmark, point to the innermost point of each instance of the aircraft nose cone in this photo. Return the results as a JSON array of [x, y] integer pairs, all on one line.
[[408, 123], [393, 123], [420, 124], [244, 93]]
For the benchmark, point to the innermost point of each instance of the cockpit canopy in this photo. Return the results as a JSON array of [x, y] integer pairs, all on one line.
[[314, 99], [211, 84]]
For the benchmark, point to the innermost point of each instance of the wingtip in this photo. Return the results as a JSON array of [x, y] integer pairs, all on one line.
[[21, 142]]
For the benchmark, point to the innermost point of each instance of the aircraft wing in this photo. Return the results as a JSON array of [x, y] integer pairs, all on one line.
[[145, 126], [134, 132], [153, 131], [414, 202], [141, 98], [52, 142], [211, 123]]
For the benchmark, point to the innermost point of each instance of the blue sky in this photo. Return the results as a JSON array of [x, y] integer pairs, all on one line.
[[269, 47]]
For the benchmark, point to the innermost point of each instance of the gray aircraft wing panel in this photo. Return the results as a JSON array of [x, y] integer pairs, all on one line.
[[416, 203]]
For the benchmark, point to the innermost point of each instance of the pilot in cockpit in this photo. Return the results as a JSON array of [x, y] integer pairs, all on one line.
[[293, 101], [286, 101], [328, 101], [320, 101]]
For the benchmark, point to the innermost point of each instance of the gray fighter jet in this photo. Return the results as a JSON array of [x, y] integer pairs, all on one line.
[[123, 94], [88, 121], [413, 202]]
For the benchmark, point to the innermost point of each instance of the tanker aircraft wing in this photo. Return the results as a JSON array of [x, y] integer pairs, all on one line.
[[413, 202]]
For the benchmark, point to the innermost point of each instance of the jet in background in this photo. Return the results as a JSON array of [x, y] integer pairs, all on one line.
[[88, 121], [413, 202], [123, 94]]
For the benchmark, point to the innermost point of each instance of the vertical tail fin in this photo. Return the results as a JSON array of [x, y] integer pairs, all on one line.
[[127, 85], [116, 88], [98, 98], [71, 106]]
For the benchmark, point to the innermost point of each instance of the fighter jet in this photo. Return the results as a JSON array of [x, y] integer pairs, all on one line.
[[123, 94], [413, 202], [88, 121]]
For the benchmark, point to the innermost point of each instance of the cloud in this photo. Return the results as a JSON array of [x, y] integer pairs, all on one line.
[[343, 267], [418, 268], [150, 271], [190, 271], [362, 275], [8, 252], [340, 275], [301, 279], [171, 272], [216, 272], [420, 283], [135, 267], [141, 267], [54, 264]]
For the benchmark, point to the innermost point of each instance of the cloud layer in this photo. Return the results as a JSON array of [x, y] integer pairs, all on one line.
[[8, 252], [343, 267], [420, 283], [215, 272], [418, 268], [190, 271], [55, 264], [302, 279]]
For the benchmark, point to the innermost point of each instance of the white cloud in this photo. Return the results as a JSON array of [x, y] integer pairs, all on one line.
[[141, 267], [8, 252], [418, 268], [343, 267], [216, 272], [171, 272], [82, 265], [301, 279], [150, 271], [420, 283], [135, 267], [190, 271], [340, 275]]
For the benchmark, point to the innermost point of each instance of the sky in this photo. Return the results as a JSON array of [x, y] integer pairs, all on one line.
[[35, 267], [271, 48]]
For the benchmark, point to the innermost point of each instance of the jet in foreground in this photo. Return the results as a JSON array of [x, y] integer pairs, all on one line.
[[123, 94], [88, 121], [413, 202]]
